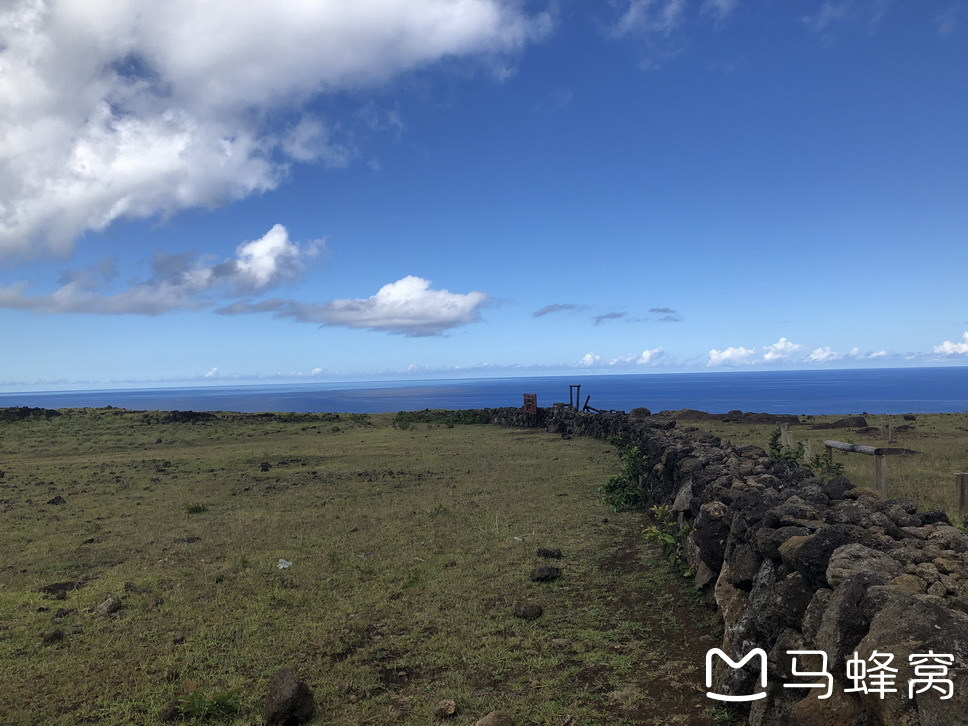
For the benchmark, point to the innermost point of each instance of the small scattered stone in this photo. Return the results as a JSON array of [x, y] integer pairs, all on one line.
[[54, 636], [109, 605], [63, 612], [446, 709], [549, 553], [57, 500], [495, 718], [289, 702], [527, 610], [545, 573], [265, 466]]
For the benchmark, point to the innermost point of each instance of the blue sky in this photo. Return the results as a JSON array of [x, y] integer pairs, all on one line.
[[215, 192]]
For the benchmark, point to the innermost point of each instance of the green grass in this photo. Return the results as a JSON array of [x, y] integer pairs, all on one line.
[[409, 547], [941, 441]]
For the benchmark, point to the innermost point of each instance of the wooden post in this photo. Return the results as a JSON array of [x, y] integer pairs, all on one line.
[[961, 494], [880, 474], [890, 434], [884, 431], [785, 435], [808, 451]]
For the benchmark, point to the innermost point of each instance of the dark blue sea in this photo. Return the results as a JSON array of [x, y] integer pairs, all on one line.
[[897, 390]]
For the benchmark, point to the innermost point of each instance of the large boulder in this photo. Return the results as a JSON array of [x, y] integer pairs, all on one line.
[[909, 625], [854, 558], [290, 701]]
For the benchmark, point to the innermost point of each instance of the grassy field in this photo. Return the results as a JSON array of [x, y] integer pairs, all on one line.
[[937, 446], [409, 548]]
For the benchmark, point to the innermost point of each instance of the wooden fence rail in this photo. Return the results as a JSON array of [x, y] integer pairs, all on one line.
[[880, 461]]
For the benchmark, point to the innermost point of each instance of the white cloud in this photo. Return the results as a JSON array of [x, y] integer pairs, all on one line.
[[133, 108], [823, 355], [780, 350], [589, 359], [212, 373], [649, 356], [949, 348], [177, 282], [877, 354], [406, 307], [731, 356]]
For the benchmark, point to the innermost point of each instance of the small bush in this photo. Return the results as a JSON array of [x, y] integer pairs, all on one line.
[[196, 508], [671, 538], [624, 491], [193, 703], [793, 454]]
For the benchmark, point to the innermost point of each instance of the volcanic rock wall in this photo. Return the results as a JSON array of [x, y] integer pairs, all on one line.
[[795, 563]]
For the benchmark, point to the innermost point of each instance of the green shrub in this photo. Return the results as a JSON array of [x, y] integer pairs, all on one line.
[[196, 508], [624, 491], [671, 538], [194, 703], [793, 454]]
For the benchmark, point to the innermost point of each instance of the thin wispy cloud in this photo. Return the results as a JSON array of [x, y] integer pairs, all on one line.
[[177, 282], [599, 319], [553, 308], [828, 14], [718, 10], [662, 310]]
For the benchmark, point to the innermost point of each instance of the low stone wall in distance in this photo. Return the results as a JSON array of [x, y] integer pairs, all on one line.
[[795, 563]]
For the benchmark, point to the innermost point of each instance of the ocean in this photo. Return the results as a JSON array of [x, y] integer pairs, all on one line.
[[895, 390]]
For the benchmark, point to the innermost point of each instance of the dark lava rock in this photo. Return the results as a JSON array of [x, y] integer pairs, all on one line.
[[551, 554], [265, 466], [57, 500], [935, 516], [187, 417], [54, 636], [289, 702], [850, 422], [527, 610], [59, 590], [545, 573]]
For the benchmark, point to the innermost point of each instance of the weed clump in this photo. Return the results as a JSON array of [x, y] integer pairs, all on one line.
[[624, 491]]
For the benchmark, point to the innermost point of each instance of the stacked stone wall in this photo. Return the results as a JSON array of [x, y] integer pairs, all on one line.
[[792, 562]]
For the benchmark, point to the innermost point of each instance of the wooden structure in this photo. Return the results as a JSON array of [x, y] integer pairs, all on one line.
[[574, 394], [880, 460], [961, 495], [531, 403]]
